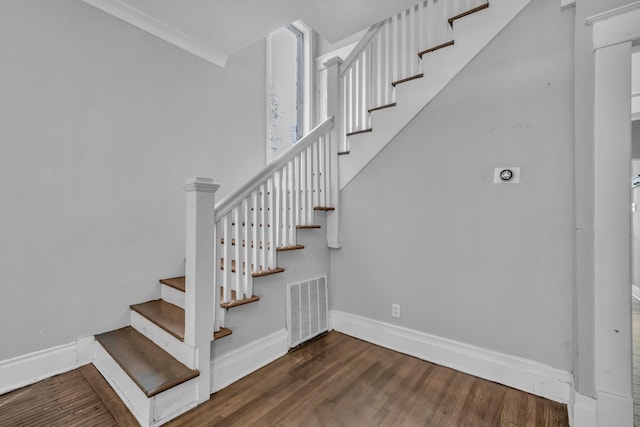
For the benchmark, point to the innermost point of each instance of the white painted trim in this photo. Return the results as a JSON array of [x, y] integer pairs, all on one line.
[[565, 4], [33, 367], [172, 295], [239, 363], [616, 26], [141, 20], [582, 411], [522, 374]]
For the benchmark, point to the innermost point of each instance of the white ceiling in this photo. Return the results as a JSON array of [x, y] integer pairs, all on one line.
[[222, 27]]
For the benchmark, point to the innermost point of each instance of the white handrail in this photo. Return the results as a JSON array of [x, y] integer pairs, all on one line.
[[228, 203], [362, 44]]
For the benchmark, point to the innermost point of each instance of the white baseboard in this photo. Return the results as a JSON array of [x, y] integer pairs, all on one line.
[[239, 363], [516, 372], [582, 411], [33, 367]]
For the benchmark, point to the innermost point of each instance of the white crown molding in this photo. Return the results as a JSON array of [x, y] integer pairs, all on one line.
[[517, 372], [139, 19]]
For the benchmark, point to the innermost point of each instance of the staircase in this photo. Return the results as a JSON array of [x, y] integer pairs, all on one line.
[[160, 365]]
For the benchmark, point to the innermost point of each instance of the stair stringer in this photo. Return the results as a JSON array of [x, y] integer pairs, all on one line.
[[472, 34]]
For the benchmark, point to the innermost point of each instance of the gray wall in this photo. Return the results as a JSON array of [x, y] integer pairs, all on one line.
[[100, 123], [424, 227]]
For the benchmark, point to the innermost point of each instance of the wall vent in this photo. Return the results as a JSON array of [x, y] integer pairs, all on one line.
[[307, 310]]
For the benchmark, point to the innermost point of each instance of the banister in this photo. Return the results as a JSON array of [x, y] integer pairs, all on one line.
[[228, 203], [362, 44]]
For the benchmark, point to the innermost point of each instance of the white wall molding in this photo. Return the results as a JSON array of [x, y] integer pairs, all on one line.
[[565, 4], [161, 30], [616, 25], [582, 411], [33, 367], [232, 366], [522, 374]]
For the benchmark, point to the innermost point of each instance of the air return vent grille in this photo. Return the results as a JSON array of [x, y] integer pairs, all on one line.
[[307, 310]]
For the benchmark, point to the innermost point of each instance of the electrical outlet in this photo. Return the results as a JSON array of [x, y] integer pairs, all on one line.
[[395, 310]]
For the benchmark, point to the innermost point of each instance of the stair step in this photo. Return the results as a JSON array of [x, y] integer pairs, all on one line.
[[343, 153], [382, 107], [167, 316], [223, 332], [289, 248], [357, 132], [468, 12], [175, 282], [323, 208], [433, 49], [150, 367], [268, 272], [407, 79], [305, 226], [236, 302]]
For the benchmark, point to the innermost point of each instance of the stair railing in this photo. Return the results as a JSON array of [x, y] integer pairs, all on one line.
[[389, 54], [263, 215]]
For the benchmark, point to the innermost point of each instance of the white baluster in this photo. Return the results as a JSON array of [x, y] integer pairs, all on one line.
[[309, 185], [270, 240], [226, 260], [302, 159], [285, 206], [236, 261], [255, 226], [262, 220], [247, 278]]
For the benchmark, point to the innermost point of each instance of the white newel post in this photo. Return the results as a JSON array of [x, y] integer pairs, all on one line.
[[334, 108], [200, 299]]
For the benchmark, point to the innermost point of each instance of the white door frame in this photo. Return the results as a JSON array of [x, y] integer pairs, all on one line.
[[613, 34]]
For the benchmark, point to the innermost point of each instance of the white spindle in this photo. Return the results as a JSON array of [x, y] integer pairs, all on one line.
[[236, 261], [226, 260], [270, 240], [309, 182], [292, 207], [247, 278], [254, 232]]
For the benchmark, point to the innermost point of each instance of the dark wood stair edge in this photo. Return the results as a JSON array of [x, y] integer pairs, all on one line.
[[307, 226], [382, 107], [468, 12], [343, 153], [171, 283], [289, 248], [193, 373], [239, 302], [407, 79], [156, 322], [357, 132], [433, 49], [323, 208], [268, 272], [223, 332]]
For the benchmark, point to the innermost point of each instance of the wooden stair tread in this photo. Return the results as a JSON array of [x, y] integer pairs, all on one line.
[[382, 107], [407, 79], [468, 12], [433, 49], [305, 226], [149, 366], [289, 248], [223, 332], [237, 302], [357, 132], [268, 272], [343, 153], [167, 316], [323, 208], [175, 282]]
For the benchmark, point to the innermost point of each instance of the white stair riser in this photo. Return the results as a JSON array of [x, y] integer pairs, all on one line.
[[176, 348], [172, 296], [153, 411]]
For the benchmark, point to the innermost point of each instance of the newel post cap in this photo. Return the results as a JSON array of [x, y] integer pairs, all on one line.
[[335, 60], [200, 183]]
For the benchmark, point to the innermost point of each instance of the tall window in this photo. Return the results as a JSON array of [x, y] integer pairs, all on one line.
[[287, 57]]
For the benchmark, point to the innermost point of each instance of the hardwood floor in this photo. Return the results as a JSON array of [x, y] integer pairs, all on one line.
[[335, 380]]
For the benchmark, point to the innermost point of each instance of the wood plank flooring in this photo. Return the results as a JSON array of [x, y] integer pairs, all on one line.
[[335, 380]]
